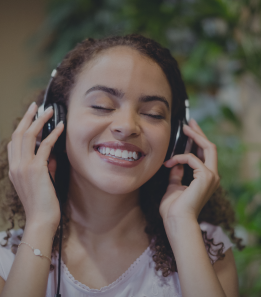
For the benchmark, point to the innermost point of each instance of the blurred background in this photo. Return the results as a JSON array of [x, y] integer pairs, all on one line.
[[218, 46]]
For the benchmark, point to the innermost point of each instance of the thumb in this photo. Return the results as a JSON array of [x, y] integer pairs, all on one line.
[[176, 175], [52, 165]]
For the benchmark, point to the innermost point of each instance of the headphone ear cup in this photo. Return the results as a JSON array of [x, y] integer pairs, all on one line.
[[178, 141], [62, 113], [172, 142], [181, 141], [48, 126], [59, 114]]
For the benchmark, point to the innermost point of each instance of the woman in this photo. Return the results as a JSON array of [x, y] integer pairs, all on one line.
[[130, 223]]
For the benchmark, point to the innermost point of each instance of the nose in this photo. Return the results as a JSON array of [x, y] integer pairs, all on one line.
[[125, 125]]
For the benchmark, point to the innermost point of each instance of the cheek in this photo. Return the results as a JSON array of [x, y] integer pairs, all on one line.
[[160, 142], [158, 139], [81, 131]]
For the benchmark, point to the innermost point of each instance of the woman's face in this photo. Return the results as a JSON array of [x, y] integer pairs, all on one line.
[[120, 104]]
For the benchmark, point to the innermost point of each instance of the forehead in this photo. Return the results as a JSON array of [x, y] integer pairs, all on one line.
[[126, 69]]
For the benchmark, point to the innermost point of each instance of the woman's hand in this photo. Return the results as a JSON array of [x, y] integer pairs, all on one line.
[[29, 172], [181, 202]]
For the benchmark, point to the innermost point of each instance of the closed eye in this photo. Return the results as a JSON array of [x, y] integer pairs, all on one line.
[[101, 108], [155, 116]]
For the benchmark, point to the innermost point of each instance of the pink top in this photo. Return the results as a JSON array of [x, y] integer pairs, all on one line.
[[140, 280]]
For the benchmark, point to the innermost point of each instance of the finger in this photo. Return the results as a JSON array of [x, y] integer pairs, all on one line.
[[176, 175], [29, 137], [209, 149], [9, 152], [9, 159], [194, 125], [200, 154], [47, 144], [189, 159], [17, 136]]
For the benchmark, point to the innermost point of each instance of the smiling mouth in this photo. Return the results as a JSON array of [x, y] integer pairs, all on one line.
[[131, 156]]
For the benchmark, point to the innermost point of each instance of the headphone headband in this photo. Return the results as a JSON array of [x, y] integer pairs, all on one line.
[[53, 74], [182, 142]]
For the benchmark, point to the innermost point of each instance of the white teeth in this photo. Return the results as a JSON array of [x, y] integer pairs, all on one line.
[[118, 153], [125, 154], [102, 150], [135, 156]]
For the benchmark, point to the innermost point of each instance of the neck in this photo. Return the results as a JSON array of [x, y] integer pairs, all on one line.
[[102, 217]]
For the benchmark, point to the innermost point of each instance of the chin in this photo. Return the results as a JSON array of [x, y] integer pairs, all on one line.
[[118, 186]]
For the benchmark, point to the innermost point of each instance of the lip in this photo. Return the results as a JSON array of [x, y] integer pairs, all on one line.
[[119, 162], [121, 146]]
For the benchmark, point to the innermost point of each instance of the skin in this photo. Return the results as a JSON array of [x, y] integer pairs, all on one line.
[[107, 224]]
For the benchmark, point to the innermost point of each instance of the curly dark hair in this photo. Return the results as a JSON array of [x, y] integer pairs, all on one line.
[[217, 211]]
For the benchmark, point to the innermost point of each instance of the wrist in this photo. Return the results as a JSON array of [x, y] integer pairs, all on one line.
[[41, 226], [179, 225]]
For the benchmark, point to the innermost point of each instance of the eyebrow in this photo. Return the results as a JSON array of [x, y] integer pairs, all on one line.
[[147, 98], [118, 93], [111, 91]]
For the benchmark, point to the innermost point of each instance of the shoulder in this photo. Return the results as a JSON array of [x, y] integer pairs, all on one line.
[[215, 239], [6, 254]]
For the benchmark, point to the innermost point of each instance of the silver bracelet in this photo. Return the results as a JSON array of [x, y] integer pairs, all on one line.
[[37, 252]]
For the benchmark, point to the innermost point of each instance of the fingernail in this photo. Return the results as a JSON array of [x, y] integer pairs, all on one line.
[[193, 121], [60, 124], [31, 107], [48, 109]]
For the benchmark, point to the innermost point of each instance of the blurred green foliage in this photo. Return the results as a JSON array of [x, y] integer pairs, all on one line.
[[211, 39], [247, 198]]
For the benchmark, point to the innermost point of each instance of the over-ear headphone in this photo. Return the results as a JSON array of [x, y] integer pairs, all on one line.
[[59, 114], [181, 143]]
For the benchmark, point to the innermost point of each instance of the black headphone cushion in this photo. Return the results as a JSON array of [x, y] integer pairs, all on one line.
[[60, 115], [61, 112], [60, 144]]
